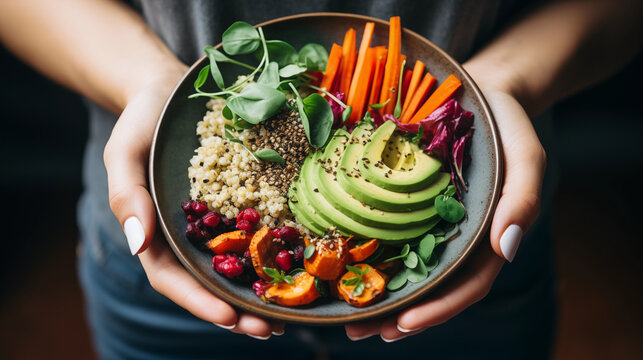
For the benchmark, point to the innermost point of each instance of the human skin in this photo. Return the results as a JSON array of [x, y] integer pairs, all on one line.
[[104, 50]]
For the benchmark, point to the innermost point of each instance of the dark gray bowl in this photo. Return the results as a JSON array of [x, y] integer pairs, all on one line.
[[175, 141]]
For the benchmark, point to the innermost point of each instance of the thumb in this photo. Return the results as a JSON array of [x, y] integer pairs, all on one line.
[[525, 162], [126, 158]]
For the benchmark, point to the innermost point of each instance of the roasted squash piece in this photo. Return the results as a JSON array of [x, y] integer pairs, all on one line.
[[263, 251], [389, 269], [234, 241], [301, 293], [374, 285], [329, 259], [362, 252]]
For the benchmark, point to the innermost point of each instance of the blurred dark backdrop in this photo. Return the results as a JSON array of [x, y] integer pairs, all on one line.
[[597, 218]]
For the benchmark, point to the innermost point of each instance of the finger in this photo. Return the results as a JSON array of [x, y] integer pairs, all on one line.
[[525, 163], [363, 330], [170, 279], [125, 157], [278, 328], [391, 332], [253, 326], [470, 286]]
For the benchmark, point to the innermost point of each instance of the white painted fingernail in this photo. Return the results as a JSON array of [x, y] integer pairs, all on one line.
[[391, 340], [259, 337], [278, 333], [227, 327], [509, 241], [405, 330], [358, 338], [134, 233]]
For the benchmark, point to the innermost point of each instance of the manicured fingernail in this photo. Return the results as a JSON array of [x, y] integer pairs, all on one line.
[[405, 330], [227, 327], [358, 338], [278, 333], [391, 340], [509, 241], [134, 233], [259, 337]]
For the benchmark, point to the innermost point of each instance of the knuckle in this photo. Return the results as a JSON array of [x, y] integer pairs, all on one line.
[[117, 199]]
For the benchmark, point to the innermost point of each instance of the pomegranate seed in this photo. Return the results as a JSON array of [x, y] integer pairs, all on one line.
[[231, 267], [284, 260], [228, 222], [276, 233], [244, 225], [259, 287], [247, 254], [187, 206], [192, 232], [199, 207], [251, 215], [199, 223], [288, 234], [192, 218], [205, 234], [211, 219], [217, 259]]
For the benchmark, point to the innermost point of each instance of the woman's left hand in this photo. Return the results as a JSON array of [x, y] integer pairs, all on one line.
[[518, 208]]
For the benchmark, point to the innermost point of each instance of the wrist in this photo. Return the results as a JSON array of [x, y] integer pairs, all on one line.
[[160, 77]]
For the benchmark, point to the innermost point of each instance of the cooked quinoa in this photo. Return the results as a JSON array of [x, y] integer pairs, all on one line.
[[227, 177]]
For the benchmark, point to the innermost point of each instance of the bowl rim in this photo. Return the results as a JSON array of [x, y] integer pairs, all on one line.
[[420, 293]]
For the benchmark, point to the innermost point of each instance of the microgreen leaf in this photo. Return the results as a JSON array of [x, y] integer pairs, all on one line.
[[214, 68], [358, 289], [272, 272], [289, 280], [449, 208], [354, 269], [380, 105], [416, 139], [279, 51], [451, 232], [403, 254], [270, 155], [270, 75], [240, 38], [398, 104], [227, 113], [295, 271], [222, 58], [231, 137], [320, 119], [425, 247], [256, 102], [398, 281], [291, 70], [203, 76], [309, 251], [346, 113], [314, 56], [433, 262], [450, 191], [351, 281], [418, 273], [411, 260]]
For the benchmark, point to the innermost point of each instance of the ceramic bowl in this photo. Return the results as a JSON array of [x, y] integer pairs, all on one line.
[[175, 141]]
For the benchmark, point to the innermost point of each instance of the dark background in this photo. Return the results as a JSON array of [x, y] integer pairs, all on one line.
[[597, 218]]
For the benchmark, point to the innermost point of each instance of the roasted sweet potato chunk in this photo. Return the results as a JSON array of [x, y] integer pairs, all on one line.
[[361, 252], [234, 241], [263, 251], [374, 285], [301, 293], [329, 259]]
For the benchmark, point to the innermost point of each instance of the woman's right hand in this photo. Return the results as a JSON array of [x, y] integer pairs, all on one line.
[[126, 159]]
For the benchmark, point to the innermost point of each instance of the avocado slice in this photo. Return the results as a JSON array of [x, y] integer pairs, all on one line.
[[373, 195], [355, 209], [309, 187], [300, 207], [416, 178]]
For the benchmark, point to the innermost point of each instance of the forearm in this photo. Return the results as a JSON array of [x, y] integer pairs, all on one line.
[[559, 49], [99, 48]]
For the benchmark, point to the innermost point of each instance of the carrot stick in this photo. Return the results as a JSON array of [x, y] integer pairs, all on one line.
[[380, 62], [348, 60], [420, 94], [332, 66], [392, 69], [439, 96], [360, 82], [418, 70], [363, 85], [406, 81]]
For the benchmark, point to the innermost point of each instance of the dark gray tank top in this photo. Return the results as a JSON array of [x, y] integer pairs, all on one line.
[[457, 26]]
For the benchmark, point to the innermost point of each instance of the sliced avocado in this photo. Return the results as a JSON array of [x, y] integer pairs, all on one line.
[[416, 178], [373, 195], [309, 187], [343, 201], [402, 159], [300, 207]]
